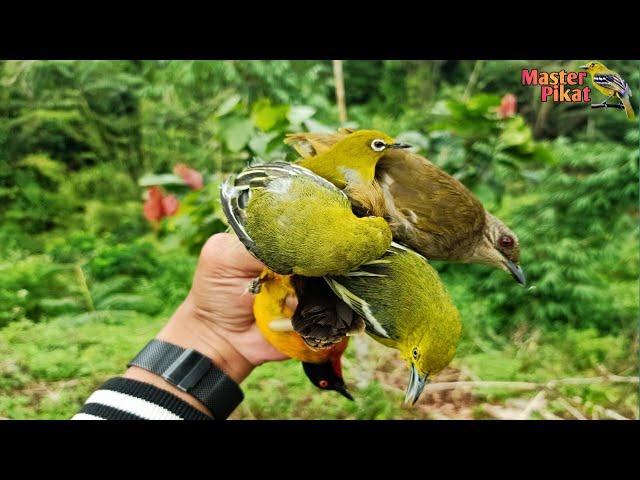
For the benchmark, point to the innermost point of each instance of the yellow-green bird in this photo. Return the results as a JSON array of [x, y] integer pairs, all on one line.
[[427, 209], [404, 306], [611, 84], [296, 222], [353, 159]]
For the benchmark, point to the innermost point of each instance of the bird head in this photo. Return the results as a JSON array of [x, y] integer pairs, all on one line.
[[429, 354], [499, 247], [593, 67], [358, 154], [327, 376]]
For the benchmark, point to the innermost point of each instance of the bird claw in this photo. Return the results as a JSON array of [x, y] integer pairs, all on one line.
[[255, 286]]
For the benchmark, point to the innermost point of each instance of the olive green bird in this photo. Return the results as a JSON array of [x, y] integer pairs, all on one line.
[[404, 306], [352, 159], [611, 84], [296, 222], [427, 209]]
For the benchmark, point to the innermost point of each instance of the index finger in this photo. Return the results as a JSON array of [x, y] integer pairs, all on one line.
[[228, 257]]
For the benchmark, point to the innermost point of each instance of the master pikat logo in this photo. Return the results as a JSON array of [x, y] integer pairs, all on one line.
[[566, 86], [559, 86]]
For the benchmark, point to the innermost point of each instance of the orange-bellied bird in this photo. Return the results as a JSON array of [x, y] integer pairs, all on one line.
[[427, 209], [273, 317], [611, 84]]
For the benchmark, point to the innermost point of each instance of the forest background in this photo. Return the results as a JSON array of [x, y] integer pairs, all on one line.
[[88, 275]]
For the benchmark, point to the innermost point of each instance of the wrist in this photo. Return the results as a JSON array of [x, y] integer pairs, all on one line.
[[186, 330]]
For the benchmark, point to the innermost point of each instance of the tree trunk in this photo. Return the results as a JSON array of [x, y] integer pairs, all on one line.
[[340, 100]]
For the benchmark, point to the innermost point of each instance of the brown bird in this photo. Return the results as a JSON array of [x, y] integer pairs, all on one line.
[[427, 209]]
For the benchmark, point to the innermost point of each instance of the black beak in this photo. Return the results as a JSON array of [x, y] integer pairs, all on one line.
[[399, 145], [584, 67], [344, 392], [516, 272], [416, 385]]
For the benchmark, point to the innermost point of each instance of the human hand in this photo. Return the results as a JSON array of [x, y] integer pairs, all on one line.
[[216, 318]]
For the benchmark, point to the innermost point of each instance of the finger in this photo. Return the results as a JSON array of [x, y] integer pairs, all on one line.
[[225, 255]]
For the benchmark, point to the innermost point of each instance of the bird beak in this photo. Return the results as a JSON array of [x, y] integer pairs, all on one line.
[[584, 67], [516, 272], [344, 392], [399, 145], [416, 385]]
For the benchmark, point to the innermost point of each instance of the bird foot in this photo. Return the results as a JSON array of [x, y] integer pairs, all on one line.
[[255, 286], [321, 343]]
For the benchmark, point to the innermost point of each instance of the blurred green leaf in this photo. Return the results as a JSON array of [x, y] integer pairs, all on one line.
[[299, 113], [238, 135], [160, 179], [267, 116], [228, 105]]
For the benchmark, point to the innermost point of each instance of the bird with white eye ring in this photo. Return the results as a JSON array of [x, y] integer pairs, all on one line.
[[427, 209]]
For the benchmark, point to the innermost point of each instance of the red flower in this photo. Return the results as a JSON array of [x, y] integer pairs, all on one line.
[[170, 205], [191, 177], [158, 205], [508, 106]]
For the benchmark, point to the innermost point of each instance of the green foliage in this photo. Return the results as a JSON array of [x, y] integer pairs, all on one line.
[[199, 217], [242, 134], [135, 259], [104, 182], [83, 274], [577, 233], [486, 152], [84, 283]]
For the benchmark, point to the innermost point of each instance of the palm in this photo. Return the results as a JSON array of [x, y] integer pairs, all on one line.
[[221, 298]]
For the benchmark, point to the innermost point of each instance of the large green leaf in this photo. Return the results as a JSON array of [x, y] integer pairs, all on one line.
[[267, 116], [238, 135]]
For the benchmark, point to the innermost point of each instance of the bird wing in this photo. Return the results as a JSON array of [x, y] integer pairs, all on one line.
[[260, 176], [312, 144], [379, 268], [429, 210], [358, 305], [612, 81], [321, 318], [234, 200], [236, 197]]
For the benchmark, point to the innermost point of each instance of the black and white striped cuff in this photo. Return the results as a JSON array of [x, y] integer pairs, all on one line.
[[126, 399]]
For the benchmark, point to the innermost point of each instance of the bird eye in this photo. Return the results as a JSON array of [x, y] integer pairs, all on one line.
[[378, 145], [506, 241], [415, 353], [323, 384]]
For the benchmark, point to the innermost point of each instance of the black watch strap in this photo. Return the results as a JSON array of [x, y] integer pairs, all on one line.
[[193, 373]]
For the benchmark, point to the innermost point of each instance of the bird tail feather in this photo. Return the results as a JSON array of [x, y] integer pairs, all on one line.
[[627, 107]]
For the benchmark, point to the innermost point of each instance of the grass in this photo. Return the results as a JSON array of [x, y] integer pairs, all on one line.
[[48, 369]]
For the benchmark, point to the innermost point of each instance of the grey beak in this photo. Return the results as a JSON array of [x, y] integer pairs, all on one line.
[[584, 67], [416, 385], [399, 145], [516, 272]]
